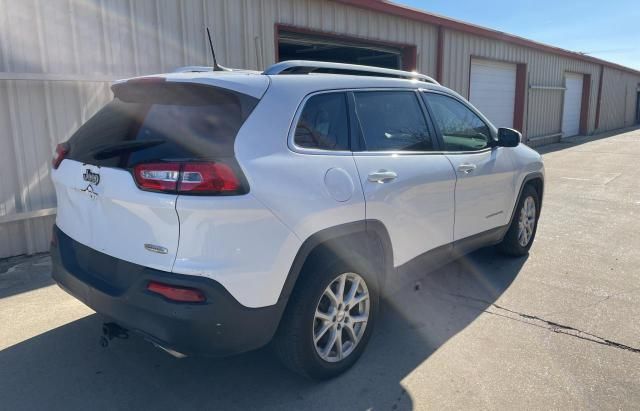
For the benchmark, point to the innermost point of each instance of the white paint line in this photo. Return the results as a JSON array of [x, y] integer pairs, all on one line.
[[575, 178], [616, 175]]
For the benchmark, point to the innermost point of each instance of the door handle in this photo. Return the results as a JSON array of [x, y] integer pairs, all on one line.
[[382, 176], [466, 168]]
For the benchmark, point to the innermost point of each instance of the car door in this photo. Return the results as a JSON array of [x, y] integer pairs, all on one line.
[[408, 185], [485, 179]]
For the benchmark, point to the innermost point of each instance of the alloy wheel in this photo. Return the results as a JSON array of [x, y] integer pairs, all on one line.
[[341, 317], [526, 221]]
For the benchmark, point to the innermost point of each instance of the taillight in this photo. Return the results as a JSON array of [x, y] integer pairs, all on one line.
[[157, 176], [187, 178], [176, 293], [208, 178], [62, 150]]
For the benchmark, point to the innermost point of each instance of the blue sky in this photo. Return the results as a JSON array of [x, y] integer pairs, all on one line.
[[607, 29]]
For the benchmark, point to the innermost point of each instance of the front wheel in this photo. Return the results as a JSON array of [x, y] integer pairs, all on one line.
[[328, 321], [522, 230]]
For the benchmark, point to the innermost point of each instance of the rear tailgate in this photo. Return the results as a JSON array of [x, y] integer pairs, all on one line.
[[118, 185], [114, 216]]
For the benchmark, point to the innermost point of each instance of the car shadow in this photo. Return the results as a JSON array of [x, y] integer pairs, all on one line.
[[67, 368]]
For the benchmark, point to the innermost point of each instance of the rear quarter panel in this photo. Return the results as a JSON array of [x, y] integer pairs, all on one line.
[[294, 186], [237, 242]]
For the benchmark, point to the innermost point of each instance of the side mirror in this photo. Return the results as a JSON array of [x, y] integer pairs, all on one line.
[[508, 137]]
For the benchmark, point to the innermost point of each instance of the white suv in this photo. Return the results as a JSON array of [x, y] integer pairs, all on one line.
[[215, 211]]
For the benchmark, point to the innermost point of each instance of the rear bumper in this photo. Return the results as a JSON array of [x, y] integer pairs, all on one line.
[[117, 289]]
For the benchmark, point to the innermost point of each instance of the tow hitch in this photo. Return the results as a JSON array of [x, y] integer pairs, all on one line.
[[111, 331]]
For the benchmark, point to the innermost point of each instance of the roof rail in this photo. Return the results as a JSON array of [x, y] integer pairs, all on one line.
[[197, 69], [192, 69], [306, 67]]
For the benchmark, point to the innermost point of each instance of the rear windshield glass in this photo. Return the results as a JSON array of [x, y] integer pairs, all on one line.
[[162, 122]]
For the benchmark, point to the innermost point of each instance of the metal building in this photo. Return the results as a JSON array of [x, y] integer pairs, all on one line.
[[58, 57]]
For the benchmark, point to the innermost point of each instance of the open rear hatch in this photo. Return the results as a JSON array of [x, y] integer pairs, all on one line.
[[118, 177]]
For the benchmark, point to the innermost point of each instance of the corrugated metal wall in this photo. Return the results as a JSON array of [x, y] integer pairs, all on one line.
[[618, 99], [34, 116], [57, 58], [128, 37]]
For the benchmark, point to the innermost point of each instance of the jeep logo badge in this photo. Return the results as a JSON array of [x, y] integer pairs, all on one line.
[[93, 178]]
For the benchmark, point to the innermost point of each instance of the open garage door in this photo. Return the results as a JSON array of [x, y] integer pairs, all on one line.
[[572, 104], [492, 90], [293, 45]]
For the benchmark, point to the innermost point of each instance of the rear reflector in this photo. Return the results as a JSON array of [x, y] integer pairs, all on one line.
[[175, 293], [187, 178], [62, 150]]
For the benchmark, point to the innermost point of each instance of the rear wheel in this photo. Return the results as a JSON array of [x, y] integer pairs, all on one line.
[[522, 230], [328, 321]]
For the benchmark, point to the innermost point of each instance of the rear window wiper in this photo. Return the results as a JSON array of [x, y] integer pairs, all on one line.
[[112, 150]]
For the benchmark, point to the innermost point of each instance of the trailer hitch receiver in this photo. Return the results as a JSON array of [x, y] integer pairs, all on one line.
[[111, 331]]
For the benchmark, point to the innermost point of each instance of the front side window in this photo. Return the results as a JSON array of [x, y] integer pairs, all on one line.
[[323, 123], [461, 128], [392, 121]]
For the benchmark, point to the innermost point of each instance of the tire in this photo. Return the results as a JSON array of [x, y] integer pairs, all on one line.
[[294, 342], [512, 244]]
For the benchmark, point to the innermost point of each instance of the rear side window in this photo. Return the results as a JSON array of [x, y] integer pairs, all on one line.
[[162, 122], [392, 121], [461, 128], [323, 123]]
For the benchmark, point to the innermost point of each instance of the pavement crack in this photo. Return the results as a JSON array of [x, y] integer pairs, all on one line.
[[548, 324]]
